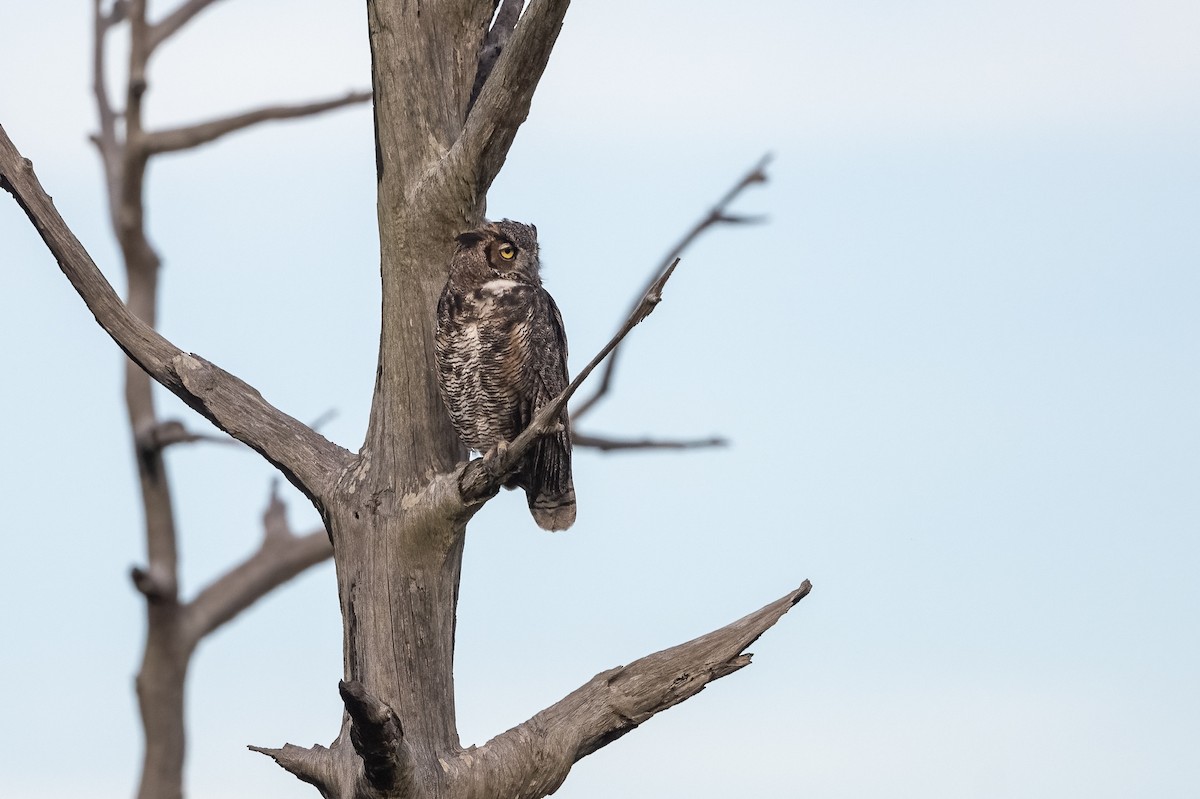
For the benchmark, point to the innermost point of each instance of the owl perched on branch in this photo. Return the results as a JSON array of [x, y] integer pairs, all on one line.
[[502, 355]]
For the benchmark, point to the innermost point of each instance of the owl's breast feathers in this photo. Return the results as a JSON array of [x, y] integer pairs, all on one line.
[[502, 354]]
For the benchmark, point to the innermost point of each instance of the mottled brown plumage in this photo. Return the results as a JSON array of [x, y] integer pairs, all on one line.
[[502, 354]]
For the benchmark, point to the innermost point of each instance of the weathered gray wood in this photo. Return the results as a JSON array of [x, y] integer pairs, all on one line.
[[305, 457], [378, 739], [532, 759]]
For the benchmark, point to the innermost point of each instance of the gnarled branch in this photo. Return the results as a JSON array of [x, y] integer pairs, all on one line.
[[532, 759], [378, 739], [304, 456], [195, 135], [170, 432]]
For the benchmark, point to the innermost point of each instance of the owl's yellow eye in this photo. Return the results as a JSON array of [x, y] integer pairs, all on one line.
[[507, 252]]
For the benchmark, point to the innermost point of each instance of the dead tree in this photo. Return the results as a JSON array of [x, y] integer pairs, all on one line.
[[174, 626], [452, 83]]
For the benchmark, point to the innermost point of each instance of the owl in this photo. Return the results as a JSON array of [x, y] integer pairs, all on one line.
[[502, 355]]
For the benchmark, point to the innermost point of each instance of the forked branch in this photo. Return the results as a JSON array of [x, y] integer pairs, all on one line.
[[503, 100], [481, 478], [493, 45], [304, 456], [532, 759]]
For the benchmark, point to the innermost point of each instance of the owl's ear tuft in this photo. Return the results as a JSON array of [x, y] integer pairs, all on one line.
[[469, 239]]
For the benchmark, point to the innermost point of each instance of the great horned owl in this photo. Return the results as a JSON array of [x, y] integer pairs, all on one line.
[[502, 355]]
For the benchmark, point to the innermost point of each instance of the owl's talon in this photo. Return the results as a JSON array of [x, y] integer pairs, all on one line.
[[493, 457]]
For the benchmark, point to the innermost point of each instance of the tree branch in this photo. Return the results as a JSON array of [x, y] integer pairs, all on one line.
[[716, 215], [502, 28], [311, 765], [605, 444], [532, 759], [378, 739], [304, 456], [503, 100], [167, 26], [481, 478], [186, 137], [171, 432], [105, 138], [281, 557]]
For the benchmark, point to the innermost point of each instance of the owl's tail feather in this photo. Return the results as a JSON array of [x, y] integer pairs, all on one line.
[[546, 478], [553, 513]]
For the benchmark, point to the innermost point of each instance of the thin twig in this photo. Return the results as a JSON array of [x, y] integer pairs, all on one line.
[[323, 419], [717, 215], [605, 444], [105, 138], [167, 26], [189, 136], [171, 432]]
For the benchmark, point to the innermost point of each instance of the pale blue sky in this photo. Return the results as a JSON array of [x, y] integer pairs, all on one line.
[[960, 369]]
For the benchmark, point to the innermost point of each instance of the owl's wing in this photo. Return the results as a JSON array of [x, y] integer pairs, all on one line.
[[523, 365], [549, 355], [535, 355]]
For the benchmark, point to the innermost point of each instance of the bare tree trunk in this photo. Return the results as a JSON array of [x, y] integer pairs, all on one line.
[[160, 690], [172, 627]]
